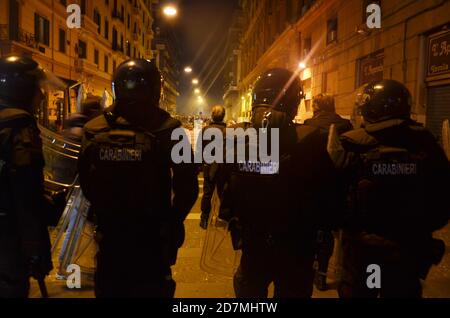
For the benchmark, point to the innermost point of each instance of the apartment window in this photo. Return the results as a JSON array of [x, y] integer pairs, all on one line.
[[98, 20], [96, 57], [306, 46], [41, 29], [83, 6], [63, 2], [114, 38], [82, 50], [107, 2], [106, 65], [62, 41], [128, 48], [128, 22], [332, 25], [107, 29]]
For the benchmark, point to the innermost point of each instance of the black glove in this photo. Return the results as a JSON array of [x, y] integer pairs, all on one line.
[[38, 260], [54, 205]]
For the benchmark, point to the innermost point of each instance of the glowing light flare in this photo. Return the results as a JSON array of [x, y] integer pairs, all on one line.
[[170, 11]]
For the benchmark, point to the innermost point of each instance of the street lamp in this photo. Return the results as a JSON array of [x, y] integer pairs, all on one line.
[[197, 91], [302, 65], [200, 100], [195, 81], [170, 11], [188, 69]]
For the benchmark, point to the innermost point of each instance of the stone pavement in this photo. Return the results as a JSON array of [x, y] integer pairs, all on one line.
[[193, 282]]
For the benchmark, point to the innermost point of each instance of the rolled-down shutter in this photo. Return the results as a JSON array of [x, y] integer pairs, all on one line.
[[438, 108]]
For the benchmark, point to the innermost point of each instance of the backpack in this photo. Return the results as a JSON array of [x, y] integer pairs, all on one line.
[[127, 170], [387, 191], [262, 195]]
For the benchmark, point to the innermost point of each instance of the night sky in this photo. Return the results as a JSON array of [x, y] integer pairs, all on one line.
[[202, 26]]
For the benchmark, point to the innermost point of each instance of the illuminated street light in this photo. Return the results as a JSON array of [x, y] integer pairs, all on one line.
[[195, 81], [188, 69], [197, 91], [170, 11], [302, 65], [200, 100]]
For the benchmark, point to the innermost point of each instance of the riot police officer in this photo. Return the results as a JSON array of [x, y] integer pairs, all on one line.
[[396, 174], [276, 203], [24, 240], [127, 174]]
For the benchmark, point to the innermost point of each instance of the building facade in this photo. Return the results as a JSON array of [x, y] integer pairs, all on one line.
[[166, 55], [341, 53], [232, 70], [111, 32]]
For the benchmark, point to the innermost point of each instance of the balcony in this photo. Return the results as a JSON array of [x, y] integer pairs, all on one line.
[[18, 35]]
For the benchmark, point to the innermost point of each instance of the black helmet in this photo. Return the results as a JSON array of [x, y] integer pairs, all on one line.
[[20, 81], [138, 81], [383, 100], [279, 89]]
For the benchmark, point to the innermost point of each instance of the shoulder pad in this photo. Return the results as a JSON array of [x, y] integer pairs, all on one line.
[[306, 131], [97, 125], [358, 139], [169, 124]]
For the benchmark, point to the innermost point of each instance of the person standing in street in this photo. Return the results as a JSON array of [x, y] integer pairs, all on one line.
[[139, 195], [396, 180], [25, 212], [273, 206], [324, 116], [211, 176]]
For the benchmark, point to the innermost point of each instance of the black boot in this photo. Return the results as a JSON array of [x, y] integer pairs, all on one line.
[[320, 281]]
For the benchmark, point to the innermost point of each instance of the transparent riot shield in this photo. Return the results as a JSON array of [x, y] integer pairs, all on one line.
[[73, 237], [446, 138], [218, 255]]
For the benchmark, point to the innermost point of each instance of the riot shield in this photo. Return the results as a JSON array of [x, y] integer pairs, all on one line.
[[73, 237], [446, 138], [218, 254]]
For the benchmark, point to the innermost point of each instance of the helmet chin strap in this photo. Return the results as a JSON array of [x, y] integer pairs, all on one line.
[[265, 116]]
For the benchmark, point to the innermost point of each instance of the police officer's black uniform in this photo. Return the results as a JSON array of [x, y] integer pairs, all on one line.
[[397, 176], [127, 173], [278, 210], [24, 240]]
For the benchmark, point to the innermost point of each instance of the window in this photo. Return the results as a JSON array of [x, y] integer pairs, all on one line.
[[98, 20], [128, 22], [306, 46], [96, 57], [83, 6], [332, 30], [62, 41], [63, 2], [128, 48], [106, 29], [106, 65], [114, 66], [107, 2], [41, 29], [82, 50]]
